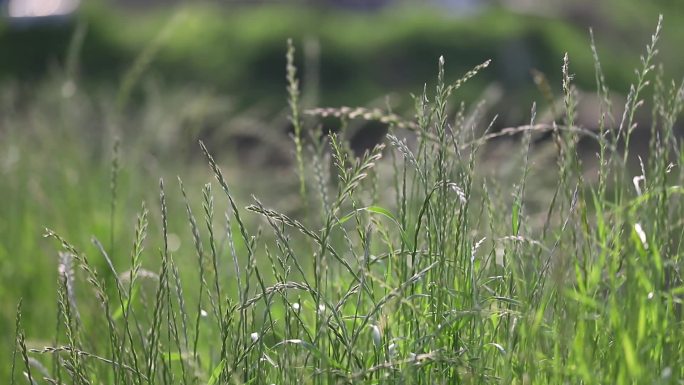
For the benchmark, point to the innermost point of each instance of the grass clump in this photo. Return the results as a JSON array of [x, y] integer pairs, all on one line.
[[411, 265]]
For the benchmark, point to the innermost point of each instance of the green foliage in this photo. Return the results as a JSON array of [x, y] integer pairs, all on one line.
[[239, 50]]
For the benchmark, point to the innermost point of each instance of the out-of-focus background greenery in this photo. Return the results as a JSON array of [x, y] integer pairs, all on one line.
[[160, 75], [355, 53]]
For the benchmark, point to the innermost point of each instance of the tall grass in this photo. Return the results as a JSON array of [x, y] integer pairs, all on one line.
[[412, 264]]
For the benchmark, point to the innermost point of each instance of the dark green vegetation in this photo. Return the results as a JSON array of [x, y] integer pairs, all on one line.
[[426, 261], [349, 58]]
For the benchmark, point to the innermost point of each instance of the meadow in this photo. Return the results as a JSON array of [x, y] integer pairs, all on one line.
[[448, 253]]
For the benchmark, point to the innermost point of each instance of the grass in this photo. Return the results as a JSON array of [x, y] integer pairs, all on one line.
[[412, 263]]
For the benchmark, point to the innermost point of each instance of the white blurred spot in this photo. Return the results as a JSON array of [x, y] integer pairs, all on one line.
[[68, 89], [203, 313], [41, 8], [499, 347], [635, 181], [255, 337], [642, 235], [174, 242], [392, 349], [375, 333]]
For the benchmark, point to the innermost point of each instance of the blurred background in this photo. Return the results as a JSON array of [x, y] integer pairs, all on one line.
[[350, 52], [154, 76]]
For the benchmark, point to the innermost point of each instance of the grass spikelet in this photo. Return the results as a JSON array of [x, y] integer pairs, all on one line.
[[293, 101], [208, 205], [364, 113], [113, 187], [17, 331], [21, 340], [199, 251], [219, 177]]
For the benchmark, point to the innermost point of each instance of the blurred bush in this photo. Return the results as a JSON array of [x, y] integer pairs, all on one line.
[[352, 57]]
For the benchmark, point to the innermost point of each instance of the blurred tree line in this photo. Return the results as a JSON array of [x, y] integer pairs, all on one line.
[[349, 57]]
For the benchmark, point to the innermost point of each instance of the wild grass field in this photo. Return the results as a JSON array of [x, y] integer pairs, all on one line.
[[448, 253]]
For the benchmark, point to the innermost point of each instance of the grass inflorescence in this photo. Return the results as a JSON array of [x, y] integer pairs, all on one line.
[[410, 263]]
